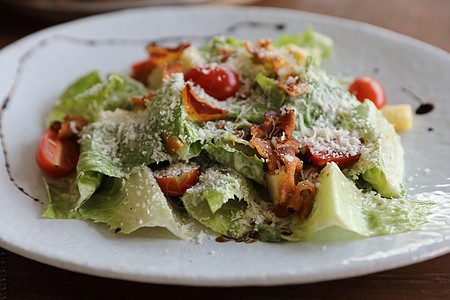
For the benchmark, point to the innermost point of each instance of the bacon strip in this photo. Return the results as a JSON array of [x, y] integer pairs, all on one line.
[[170, 69], [264, 52], [274, 141], [307, 191], [172, 144], [158, 55], [225, 53], [71, 126], [140, 101], [295, 88], [199, 109], [285, 73]]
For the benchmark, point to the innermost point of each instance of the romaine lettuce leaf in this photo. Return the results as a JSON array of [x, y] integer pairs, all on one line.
[[170, 117], [66, 196], [210, 49], [80, 85], [227, 203], [125, 204], [250, 111], [136, 201], [113, 146], [382, 163], [253, 109], [328, 103], [274, 94], [88, 96], [216, 201], [119, 141], [63, 198], [341, 211], [319, 45], [116, 143], [235, 153]]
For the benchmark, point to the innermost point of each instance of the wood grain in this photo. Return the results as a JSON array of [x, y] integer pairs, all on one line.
[[32, 280], [428, 21]]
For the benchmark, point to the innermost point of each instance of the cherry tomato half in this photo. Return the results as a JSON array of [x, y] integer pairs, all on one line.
[[218, 81], [56, 157], [177, 184], [321, 159], [368, 88]]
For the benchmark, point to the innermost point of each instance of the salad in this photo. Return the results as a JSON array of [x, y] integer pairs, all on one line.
[[251, 140]]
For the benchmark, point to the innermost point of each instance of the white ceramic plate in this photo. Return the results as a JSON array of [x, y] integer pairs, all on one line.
[[153, 255]]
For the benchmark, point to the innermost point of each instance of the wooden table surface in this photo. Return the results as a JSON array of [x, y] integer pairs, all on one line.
[[26, 279]]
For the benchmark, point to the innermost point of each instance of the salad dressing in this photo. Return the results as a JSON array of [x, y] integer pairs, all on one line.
[[424, 108]]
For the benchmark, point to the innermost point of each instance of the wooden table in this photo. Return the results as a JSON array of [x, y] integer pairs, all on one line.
[[27, 279]]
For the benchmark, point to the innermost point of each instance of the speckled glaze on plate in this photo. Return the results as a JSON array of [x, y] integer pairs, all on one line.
[[52, 58]]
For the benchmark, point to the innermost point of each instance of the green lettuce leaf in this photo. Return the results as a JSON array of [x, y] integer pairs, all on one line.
[[131, 203], [341, 211], [274, 94], [330, 105], [80, 85], [319, 45], [249, 111], [63, 198], [66, 196], [227, 203], [125, 204], [252, 110], [382, 165], [170, 117], [77, 87], [210, 49], [119, 141], [328, 102], [235, 153], [88, 96]]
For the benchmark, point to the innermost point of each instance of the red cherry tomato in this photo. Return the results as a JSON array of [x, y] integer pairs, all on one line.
[[368, 88], [56, 157], [218, 81], [321, 159], [177, 184]]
